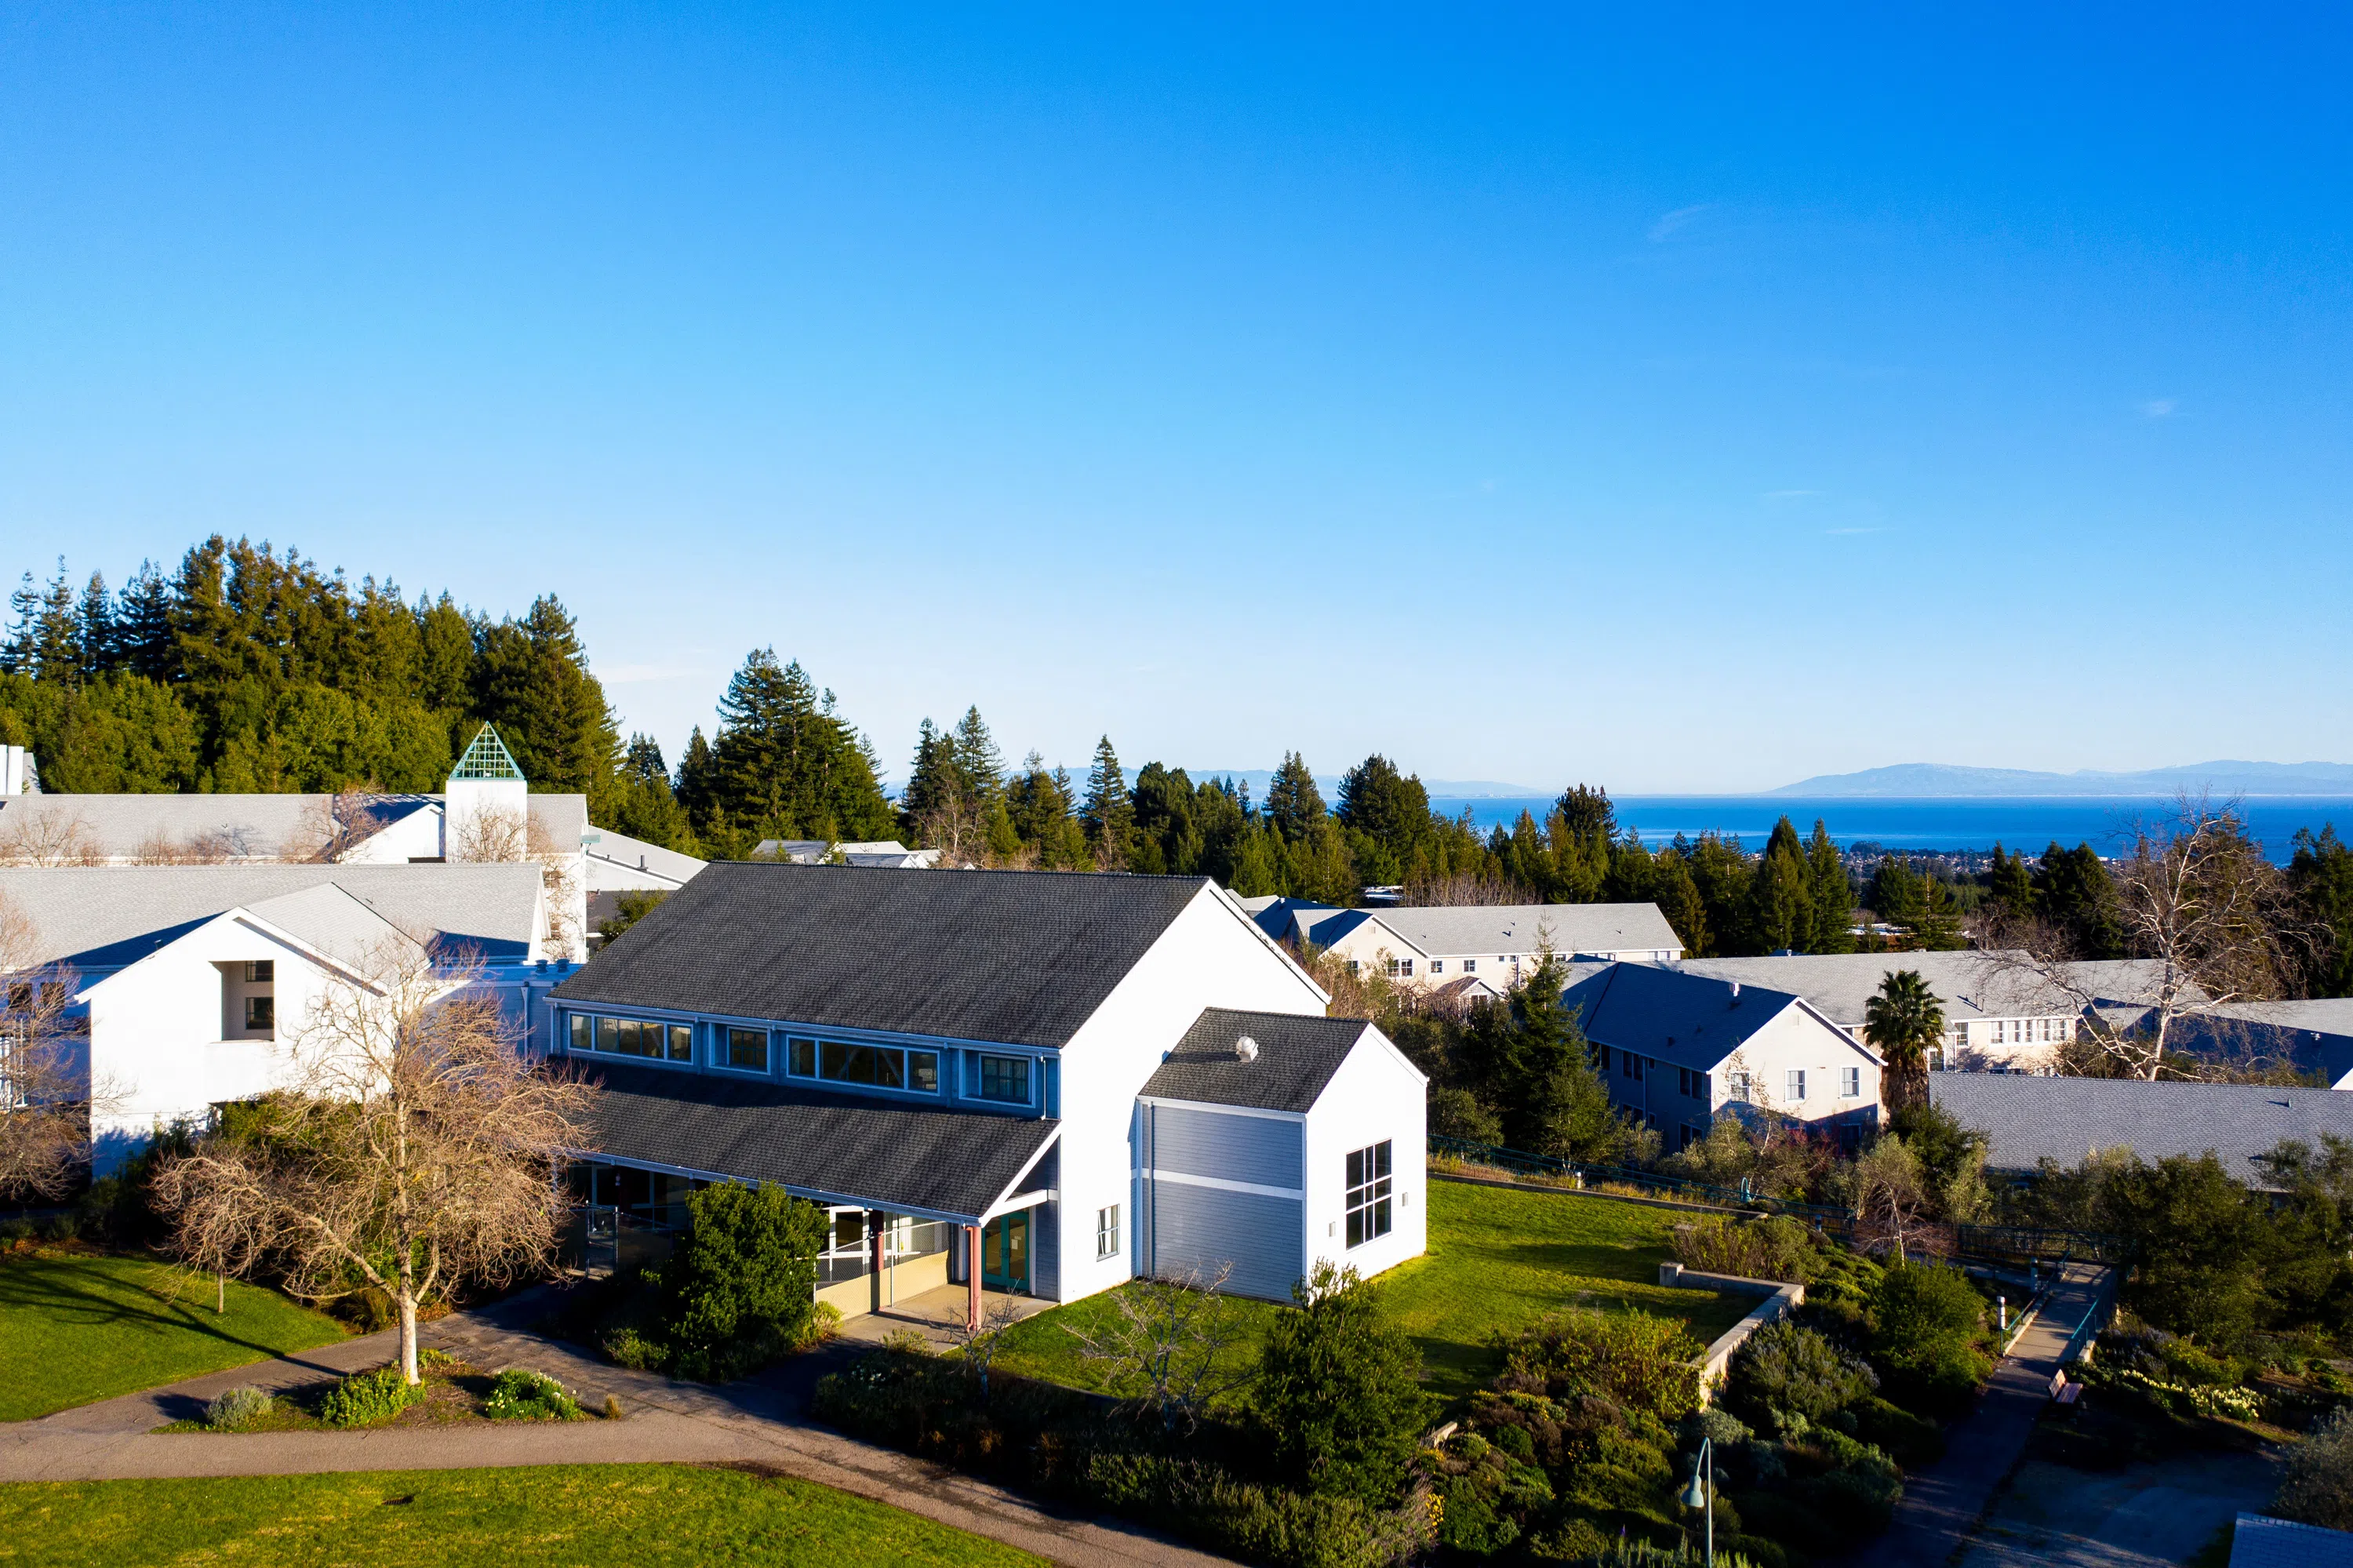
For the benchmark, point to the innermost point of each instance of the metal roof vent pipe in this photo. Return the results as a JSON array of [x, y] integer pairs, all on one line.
[[1245, 1049], [1735, 993]]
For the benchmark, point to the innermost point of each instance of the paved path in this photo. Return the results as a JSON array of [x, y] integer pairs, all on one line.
[[1943, 1503], [762, 1422]]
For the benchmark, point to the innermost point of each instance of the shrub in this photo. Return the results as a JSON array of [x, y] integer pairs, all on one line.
[[1458, 1113], [1912, 1440], [237, 1409], [1338, 1395], [739, 1291], [1775, 1248], [1923, 1329], [1643, 1555], [1632, 1359], [2318, 1488], [628, 1348], [1785, 1369], [20, 1229], [61, 1228], [1256, 1524], [363, 1399], [519, 1396]]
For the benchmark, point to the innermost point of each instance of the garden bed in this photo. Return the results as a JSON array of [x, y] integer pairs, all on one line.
[[452, 1394]]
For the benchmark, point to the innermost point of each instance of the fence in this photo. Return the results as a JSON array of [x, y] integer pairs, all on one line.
[[2020, 1242]]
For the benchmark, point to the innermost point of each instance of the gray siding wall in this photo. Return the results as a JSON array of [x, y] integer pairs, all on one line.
[[1046, 1251], [1253, 1149], [1204, 1228]]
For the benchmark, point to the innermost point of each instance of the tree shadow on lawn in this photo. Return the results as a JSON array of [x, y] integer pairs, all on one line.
[[67, 1295]]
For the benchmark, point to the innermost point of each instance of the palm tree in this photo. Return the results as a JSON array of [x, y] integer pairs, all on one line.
[[1901, 1023]]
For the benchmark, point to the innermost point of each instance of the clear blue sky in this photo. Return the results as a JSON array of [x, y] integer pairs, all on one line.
[[1671, 398]]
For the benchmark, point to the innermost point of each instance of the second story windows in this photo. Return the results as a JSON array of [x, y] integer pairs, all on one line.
[[747, 1049], [633, 1037], [1005, 1079], [875, 1067]]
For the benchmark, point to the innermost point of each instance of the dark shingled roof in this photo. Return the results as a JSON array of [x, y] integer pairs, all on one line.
[[2030, 1118], [1297, 1054], [1024, 958], [888, 1155]]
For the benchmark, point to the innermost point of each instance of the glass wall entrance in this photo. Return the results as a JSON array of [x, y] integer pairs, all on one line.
[[1004, 1253]]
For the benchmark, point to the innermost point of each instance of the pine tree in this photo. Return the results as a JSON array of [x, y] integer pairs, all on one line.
[[1831, 894], [1293, 803], [2009, 886], [1386, 813], [1780, 899], [785, 765], [1677, 897], [979, 766], [1108, 814], [532, 681], [144, 626], [95, 628]]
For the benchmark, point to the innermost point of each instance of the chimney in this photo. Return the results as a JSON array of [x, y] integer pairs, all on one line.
[[1246, 1049]]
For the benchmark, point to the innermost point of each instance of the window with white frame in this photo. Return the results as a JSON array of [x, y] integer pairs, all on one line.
[[1850, 1083], [1369, 1193], [1796, 1085], [1470, 966], [1107, 1232], [1736, 1087], [1437, 966]]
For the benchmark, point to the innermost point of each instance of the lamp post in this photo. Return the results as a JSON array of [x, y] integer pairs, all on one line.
[[1701, 1493]]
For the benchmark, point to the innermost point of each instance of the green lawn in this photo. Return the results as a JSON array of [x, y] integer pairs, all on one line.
[[1498, 1258], [559, 1515], [74, 1328]]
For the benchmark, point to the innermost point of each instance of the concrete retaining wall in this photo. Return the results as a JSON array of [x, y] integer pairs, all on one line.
[[1781, 1299]]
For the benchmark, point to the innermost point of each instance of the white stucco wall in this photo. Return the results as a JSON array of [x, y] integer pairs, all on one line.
[[1376, 1095], [1210, 956]]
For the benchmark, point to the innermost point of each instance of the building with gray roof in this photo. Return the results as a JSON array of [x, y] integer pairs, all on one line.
[[2032, 1119]]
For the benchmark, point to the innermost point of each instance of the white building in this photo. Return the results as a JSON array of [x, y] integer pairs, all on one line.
[[484, 813], [1045, 1083], [1492, 944], [1679, 1049], [189, 985]]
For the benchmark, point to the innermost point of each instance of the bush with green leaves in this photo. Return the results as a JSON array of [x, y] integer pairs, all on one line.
[[1252, 1522], [519, 1396], [1925, 1324], [1633, 1360], [368, 1398], [237, 1409], [740, 1288], [2318, 1484], [1338, 1393], [1774, 1248], [1785, 1369]]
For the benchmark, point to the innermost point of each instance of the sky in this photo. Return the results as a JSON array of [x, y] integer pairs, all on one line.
[[1679, 398]]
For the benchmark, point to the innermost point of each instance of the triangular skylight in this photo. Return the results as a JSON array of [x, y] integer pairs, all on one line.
[[487, 758]]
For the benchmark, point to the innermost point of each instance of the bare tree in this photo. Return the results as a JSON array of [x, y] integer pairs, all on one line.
[[1460, 890], [1164, 1345], [336, 824], [31, 836], [45, 1098], [978, 1343], [2208, 926], [490, 836], [417, 1152], [212, 847], [1892, 1204]]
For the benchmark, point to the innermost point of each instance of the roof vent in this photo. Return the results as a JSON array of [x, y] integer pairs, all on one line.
[[1246, 1049], [1735, 991]]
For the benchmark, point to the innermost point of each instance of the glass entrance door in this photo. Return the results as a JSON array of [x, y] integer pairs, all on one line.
[[1004, 1252]]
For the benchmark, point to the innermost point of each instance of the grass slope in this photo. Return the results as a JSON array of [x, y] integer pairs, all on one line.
[[74, 1328], [1499, 1259], [522, 1518]]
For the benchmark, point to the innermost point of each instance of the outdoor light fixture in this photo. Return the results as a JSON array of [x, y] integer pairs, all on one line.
[[1701, 1493]]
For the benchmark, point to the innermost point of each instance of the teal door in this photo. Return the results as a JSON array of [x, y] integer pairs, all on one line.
[[1004, 1253]]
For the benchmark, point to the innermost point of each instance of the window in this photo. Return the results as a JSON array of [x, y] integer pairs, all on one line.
[[1107, 1232], [882, 1066], [1354, 967], [1850, 1083], [1437, 966], [1403, 968], [633, 1037], [1960, 1034], [1692, 1084], [1797, 1084], [1368, 1194], [1736, 1087], [261, 971], [260, 1012], [749, 1049], [1006, 1079], [1630, 1064], [800, 1058], [1605, 1058], [1470, 966]]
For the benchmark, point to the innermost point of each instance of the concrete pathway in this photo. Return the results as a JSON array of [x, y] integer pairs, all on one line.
[[762, 1423], [1943, 1503], [2143, 1516]]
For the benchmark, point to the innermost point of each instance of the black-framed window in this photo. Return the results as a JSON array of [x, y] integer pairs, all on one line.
[[1005, 1079], [749, 1049], [1369, 1193], [260, 1012], [879, 1066], [645, 1037]]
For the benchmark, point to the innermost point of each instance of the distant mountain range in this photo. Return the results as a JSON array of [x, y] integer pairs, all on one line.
[[1918, 780]]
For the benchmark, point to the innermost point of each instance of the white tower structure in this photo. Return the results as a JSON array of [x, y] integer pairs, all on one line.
[[486, 804]]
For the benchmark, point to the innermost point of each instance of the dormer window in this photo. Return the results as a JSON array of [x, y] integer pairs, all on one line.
[[1005, 1079]]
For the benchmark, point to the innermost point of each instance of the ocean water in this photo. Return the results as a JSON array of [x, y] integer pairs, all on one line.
[[1970, 823]]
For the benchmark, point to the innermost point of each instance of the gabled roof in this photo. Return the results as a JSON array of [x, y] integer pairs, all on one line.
[[1686, 1020], [636, 855], [96, 918], [953, 1164], [235, 828], [1504, 930], [1970, 985], [2258, 1540], [2030, 1118], [1297, 1055], [1024, 958]]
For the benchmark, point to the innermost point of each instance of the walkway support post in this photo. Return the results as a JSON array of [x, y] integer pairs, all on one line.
[[972, 1279], [875, 1222]]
